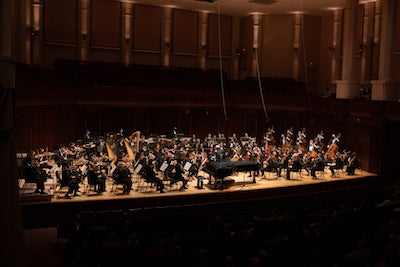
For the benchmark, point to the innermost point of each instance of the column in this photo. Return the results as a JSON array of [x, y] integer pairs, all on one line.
[[257, 24], [385, 88], [83, 41], [36, 32], [297, 17], [11, 237], [336, 46], [166, 36], [203, 49], [126, 33], [348, 86], [367, 43]]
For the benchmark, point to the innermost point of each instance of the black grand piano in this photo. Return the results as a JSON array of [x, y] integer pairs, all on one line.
[[221, 169]]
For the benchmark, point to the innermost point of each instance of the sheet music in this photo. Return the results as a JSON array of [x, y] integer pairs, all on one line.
[[138, 168], [164, 166], [187, 166]]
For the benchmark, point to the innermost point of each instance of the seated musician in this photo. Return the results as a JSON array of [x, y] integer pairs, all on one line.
[[97, 178], [318, 165], [337, 165], [70, 178], [32, 173], [150, 176], [176, 175], [295, 166], [271, 164], [122, 175]]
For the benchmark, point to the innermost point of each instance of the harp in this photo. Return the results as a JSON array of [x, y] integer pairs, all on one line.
[[129, 150], [111, 154], [135, 138]]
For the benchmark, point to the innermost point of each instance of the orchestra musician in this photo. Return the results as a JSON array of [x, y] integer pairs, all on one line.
[[337, 165], [97, 177], [294, 165], [32, 173], [180, 150], [150, 176], [318, 164], [175, 174], [269, 139], [122, 175], [70, 178], [353, 164]]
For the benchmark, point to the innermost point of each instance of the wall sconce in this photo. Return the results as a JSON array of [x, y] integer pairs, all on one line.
[[34, 33], [360, 49], [205, 49], [84, 38], [241, 51], [295, 50], [331, 50]]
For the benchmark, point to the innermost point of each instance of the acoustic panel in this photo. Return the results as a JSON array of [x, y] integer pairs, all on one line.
[[106, 24], [185, 32], [60, 21], [219, 30], [147, 28]]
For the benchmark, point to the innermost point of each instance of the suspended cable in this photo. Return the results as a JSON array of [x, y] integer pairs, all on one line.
[[260, 87], [220, 64]]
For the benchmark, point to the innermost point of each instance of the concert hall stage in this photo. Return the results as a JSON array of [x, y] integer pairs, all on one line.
[[52, 209]]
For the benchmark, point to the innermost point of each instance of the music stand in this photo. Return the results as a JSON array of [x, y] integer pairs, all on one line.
[[113, 169], [187, 166], [138, 168], [164, 166], [51, 171]]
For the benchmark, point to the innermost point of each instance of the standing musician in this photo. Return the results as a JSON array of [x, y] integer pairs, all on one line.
[[333, 146], [353, 164], [301, 140], [269, 138]]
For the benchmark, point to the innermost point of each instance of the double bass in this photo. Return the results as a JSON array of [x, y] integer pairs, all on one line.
[[331, 152], [333, 147]]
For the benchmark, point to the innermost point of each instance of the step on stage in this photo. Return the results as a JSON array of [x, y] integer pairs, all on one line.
[[53, 208]]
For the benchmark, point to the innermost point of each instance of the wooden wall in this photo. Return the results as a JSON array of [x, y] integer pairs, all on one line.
[[53, 112]]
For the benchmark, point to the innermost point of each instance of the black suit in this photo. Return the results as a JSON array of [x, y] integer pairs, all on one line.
[[150, 176], [123, 176], [34, 174]]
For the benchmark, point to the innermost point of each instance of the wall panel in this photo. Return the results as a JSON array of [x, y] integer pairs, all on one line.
[[185, 32], [60, 21], [219, 30], [147, 28], [105, 24]]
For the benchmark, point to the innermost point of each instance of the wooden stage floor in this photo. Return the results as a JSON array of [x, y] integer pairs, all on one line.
[[50, 210]]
